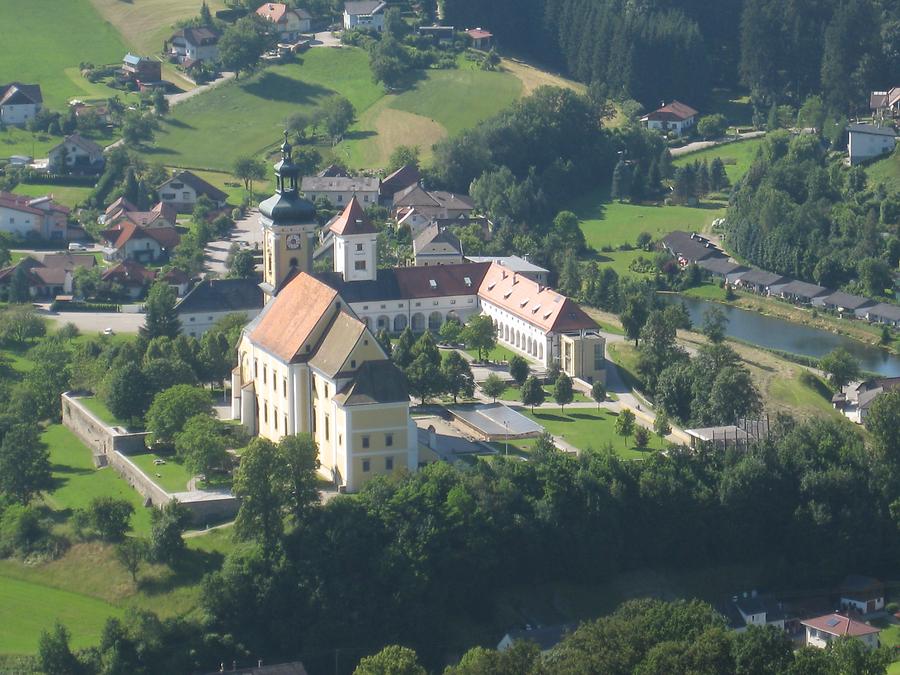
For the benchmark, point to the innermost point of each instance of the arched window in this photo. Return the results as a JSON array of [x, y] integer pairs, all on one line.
[[400, 323], [418, 322], [435, 319]]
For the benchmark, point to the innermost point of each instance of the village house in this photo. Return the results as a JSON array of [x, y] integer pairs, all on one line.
[[752, 609], [480, 38], [409, 218], [760, 281], [50, 276], [720, 268], [141, 68], [885, 103], [675, 116], [855, 400], [690, 248], [868, 141], [368, 14], [41, 217], [434, 204], [129, 241], [213, 299], [437, 246], [514, 263], [132, 277], [399, 180], [183, 190], [191, 45], [862, 594], [160, 216], [339, 190], [800, 292], [289, 23], [881, 313], [844, 304], [76, 154], [821, 630], [19, 102]]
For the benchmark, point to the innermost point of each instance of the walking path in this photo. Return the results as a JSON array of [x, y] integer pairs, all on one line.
[[702, 145], [181, 97]]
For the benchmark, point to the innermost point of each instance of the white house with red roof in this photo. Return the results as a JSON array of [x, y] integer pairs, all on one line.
[[355, 249], [289, 22], [821, 630], [38, 216], [675, 116]]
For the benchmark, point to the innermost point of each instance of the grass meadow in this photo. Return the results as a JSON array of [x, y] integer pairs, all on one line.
[[737, 157], [886, 171]]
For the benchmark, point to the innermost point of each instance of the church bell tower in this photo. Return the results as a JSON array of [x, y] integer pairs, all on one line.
[[288, 223]]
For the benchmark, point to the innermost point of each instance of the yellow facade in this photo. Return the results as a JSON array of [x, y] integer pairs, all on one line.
[[583, 356], [279, 258]]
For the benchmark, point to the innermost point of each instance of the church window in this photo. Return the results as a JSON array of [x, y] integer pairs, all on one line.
[[265, 372], [294, 262], [359, 265], [365, 441], [366, 466], [255, 368], [359, 247], [284, 386], [266, 412], [285, 424], [389, 440], [327, 428], [389, 463]]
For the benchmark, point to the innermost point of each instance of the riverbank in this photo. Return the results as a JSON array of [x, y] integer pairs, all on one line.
[[861, 331]]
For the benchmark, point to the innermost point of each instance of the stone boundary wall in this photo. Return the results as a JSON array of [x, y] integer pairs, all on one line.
[[112, 446]]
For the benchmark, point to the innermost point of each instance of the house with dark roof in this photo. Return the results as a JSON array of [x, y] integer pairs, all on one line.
[[434, 204], [855, 400], [437, 246], [843, 303], [800, 292], [367, 14], [399, 180], [881, 313], [214, 299], [753, 609], [690, 248], [545, 637], [339, 190], [720, 268], [868, 141], [184, 188], [862, 594], [516, 264], [760, 281], [141, 68], [51, 275], [307, 364], [19, 102], [76, 154], [822, 630], [676, 117], [193, 44]]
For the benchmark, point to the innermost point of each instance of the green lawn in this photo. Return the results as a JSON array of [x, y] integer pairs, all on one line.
[[28, 608], [590, 428], [498, 353], [18, 141], [77, 482], [709, 291], [886, 171], [64, 194], [737, 157], [607, 223], [247, 117], [99, 409], [171, 476], [46, 40], [513, 393]]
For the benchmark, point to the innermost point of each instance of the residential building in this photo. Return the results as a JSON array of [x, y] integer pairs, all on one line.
[[307, 364], [752, 609], [183, 190], [19, 102], [128, 241], [437, 33], [881, 313], [213, 299], [676, 116], [432, 204], [367, 14], [50, 276], [190, 45], [855, 400], [545, 637], [354, 244], [41, 217], [437, 246], [690, 248], [868, 141], [400, 179], [821, 630], [76, 154], [480, 38], [131, 276], [514, 263], [760, 281], [339, 190], [160, 216], [862, 594], [289, 22], [141, 68], [843, 303], [409, 218], [720, 268], [885, 103], [800, 292]]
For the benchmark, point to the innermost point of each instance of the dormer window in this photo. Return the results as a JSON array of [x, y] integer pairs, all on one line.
[[491, 286], [467, 281], [507, 294], [523, 303]]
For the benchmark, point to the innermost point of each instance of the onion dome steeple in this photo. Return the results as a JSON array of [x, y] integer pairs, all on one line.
[[286, 206]]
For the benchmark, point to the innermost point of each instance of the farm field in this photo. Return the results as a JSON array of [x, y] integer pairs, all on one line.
[[63, 34], [737, 157], [590, 428]]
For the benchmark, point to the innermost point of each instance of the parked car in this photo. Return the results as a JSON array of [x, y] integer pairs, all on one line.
[[75, 246]]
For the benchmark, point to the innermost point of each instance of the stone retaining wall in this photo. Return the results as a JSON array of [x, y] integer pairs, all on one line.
[[112, 445]]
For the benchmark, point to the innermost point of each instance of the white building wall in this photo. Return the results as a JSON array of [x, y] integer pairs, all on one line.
[[373, 22], [343, 197], [18, 222], [521, 336], [420, 314], [196, 324], [350, 250], [18, 114]]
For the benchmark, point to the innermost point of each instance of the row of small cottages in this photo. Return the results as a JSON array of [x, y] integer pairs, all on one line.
[[698, 250]]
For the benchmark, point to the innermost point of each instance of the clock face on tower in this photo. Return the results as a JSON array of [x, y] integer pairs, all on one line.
[[293, 241]]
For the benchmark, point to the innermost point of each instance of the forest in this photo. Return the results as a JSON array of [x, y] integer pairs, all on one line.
[[653, 50]]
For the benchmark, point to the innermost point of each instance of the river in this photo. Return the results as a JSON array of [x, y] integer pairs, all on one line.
[[767, 331]]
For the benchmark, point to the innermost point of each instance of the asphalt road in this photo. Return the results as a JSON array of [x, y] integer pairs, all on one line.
[[96, 322], [246, 230]]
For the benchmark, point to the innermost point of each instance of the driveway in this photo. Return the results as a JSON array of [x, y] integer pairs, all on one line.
[[175, 99], [246, 230], [96, 322], [325, 39], [701, 145]]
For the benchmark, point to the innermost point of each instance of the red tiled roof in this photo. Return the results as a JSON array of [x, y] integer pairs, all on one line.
[[479, 33], [129, 273], [531, 302], [167, 237], [18, 203], [353, 220], [676, 110], [837, 624]]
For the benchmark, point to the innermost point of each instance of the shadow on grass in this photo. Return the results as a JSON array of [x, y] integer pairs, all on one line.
[[359, 134], [158, 150], [275, 87], [551, 418], [186, 572], [584, 416], [172, 122]]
